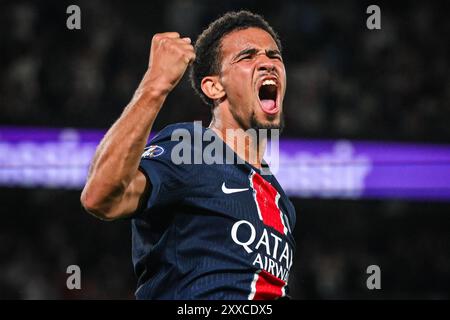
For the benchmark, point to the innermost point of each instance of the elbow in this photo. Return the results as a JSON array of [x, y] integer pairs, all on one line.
[[96, 205]]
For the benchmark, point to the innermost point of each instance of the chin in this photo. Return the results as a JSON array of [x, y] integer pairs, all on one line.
[[270, 122]]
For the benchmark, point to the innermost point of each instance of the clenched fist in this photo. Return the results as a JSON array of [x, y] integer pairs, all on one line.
[[170, 55]]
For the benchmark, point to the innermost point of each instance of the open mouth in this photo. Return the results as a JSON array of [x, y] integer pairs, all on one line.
[[267, 94]]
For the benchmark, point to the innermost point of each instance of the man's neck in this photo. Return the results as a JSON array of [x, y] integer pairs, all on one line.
[[245, 143]]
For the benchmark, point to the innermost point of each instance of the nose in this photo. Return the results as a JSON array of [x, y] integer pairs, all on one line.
[[265, 64]]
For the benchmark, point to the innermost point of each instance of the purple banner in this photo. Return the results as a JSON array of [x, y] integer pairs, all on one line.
[[53, 158], [59, 158], [347, 169]]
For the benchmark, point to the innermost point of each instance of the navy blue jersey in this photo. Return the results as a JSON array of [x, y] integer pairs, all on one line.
[[210, 231]]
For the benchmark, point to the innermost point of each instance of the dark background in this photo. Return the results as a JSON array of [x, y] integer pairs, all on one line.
[[344, 82]]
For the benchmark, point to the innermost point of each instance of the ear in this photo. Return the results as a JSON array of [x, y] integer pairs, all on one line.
[[212, 88]]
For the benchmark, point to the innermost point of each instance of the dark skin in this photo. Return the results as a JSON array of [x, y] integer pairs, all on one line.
[[115, 187]]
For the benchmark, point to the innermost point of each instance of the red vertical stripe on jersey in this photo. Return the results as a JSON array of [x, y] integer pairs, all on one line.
[[266, 200], [268, 287]]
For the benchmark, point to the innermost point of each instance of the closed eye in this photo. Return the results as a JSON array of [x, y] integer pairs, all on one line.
[[277, 57], [246, 54], [274, 55], [247, 57]]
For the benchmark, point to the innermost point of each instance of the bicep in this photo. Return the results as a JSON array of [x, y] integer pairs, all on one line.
[[135, 195]]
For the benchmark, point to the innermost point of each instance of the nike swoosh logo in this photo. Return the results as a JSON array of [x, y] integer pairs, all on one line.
[[228, 190]]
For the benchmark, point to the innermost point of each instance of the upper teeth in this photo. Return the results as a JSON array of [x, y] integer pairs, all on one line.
[[268, 82]]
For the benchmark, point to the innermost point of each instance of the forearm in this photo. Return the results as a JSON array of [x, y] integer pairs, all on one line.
[[117, 157], [114, 186]]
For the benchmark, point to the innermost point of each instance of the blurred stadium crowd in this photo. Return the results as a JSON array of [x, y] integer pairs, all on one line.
[[344, 81]]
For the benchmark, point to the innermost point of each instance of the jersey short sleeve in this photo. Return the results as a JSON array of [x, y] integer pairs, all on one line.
[[168, 180]]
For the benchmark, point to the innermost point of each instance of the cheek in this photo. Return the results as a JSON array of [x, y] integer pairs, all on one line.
[[238, 84], [284, 82]]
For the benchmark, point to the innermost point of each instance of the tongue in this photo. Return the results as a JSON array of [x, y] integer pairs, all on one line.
[[267, 104]]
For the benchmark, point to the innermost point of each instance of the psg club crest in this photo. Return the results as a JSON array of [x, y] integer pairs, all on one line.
[[153, 151]]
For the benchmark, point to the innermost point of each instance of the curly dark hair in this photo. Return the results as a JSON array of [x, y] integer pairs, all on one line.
[[208, 45]]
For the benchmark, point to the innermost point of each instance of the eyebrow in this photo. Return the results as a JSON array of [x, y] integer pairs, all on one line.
[[253, 51]]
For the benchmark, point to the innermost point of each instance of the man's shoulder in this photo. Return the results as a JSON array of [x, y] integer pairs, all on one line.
[[167, 132], [161, 145]]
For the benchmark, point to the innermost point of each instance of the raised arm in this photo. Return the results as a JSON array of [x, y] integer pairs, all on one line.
[[115, 186]]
